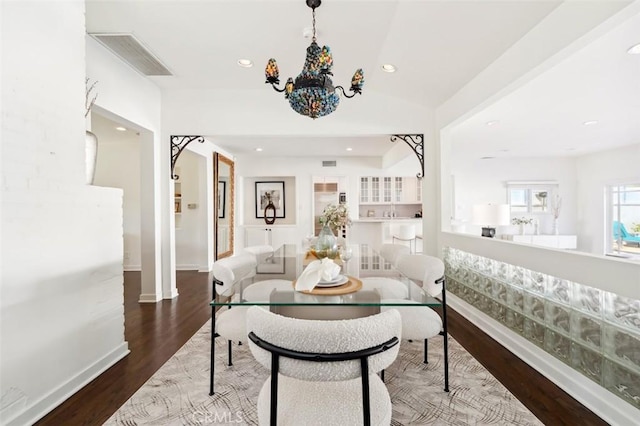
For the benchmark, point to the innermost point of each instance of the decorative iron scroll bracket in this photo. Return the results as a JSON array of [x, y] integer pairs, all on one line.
[[178, 144], [416, 143]]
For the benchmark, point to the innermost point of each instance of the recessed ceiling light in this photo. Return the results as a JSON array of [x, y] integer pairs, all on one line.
[[590, 123], [634, 50], [388, 68], [121, 129], [487, 158], [259, 149], [349, 149], [245, 63], [492, 122]]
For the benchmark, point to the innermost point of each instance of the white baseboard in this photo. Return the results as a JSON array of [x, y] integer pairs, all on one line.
[[171, 294], [187, 267], [42, 407], [149, 298], [603, 403], [204, 268], [132, 268]]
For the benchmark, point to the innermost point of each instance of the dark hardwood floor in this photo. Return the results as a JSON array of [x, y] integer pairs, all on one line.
[[156, 331]]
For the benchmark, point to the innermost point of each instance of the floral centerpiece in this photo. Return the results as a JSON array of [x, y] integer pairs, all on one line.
[[335, 216]]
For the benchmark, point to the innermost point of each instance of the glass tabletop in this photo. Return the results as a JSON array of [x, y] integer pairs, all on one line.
[[382, 284]]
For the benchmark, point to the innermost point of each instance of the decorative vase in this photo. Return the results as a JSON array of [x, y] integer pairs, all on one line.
[[91, 156], [327, 244], [555, 230], [522, 229]]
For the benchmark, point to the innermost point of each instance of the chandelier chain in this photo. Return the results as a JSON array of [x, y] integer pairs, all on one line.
[[314, 23]]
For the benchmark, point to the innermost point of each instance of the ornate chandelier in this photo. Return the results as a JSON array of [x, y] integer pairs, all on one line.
[[312, 93]]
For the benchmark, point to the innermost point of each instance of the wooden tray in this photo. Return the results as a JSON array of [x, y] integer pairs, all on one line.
[[310, 257], [350, 286]]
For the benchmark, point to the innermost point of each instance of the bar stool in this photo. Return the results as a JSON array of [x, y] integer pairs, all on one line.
[[406, 233]]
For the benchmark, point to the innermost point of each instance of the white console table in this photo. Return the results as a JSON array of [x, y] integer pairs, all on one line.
[[554, 241]]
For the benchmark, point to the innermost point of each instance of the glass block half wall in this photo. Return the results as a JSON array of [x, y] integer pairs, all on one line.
[[595, 332]]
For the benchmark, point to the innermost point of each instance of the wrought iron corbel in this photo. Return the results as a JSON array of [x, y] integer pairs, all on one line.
[[416, 143], [178, 144]]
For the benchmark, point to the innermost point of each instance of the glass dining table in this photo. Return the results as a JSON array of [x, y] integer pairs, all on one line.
[[287, 263]]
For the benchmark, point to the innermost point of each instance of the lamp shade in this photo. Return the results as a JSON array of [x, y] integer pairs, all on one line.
[[491, 214]]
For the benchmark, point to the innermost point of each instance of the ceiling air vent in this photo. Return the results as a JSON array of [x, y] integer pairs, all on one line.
[[130, 50], [329, 163]]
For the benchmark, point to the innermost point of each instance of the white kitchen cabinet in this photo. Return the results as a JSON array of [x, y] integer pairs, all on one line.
[[370, 190], [387, 189], [390, 190]]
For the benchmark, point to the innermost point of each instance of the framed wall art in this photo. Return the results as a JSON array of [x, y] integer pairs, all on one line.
[[270, 192]]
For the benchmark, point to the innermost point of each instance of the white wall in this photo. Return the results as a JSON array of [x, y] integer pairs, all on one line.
[[484, 181], [247, 196], [304, 169], [128, 97], [189, 235], [581, 181], [595, 172], [61, 310], [118, 166]]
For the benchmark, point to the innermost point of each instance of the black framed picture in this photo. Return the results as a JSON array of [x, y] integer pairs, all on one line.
[[270, 191], [222, 197]]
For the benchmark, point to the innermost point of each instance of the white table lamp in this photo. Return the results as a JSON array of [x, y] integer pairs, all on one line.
[[489, 216]]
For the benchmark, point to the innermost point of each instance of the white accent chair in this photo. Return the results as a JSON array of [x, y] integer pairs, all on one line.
[[316, 378]]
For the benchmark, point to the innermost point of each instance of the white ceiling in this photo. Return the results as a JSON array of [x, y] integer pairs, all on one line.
[[437, 46], [546, 117]]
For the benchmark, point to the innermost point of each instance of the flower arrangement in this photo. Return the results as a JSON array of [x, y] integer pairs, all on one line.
[[522, 220], [336, 216]]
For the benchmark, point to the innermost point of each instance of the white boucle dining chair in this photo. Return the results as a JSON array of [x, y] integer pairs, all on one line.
[[388, 288], [324, 372], [391, 252], [228, 274], [421, 322]]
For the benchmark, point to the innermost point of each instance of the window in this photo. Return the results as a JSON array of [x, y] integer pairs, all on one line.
[[531, 197], [624, 218]]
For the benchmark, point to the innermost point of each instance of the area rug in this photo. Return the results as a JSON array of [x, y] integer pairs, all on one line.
[[178, 393]]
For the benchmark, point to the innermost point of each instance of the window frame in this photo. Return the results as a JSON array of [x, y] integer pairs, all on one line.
[[531, 188], [614, 214]]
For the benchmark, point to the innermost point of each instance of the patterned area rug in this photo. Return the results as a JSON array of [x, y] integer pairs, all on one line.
[[178, 393]]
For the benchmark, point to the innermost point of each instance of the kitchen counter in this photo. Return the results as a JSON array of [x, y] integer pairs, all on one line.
[[388, 219], [375, 231]]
